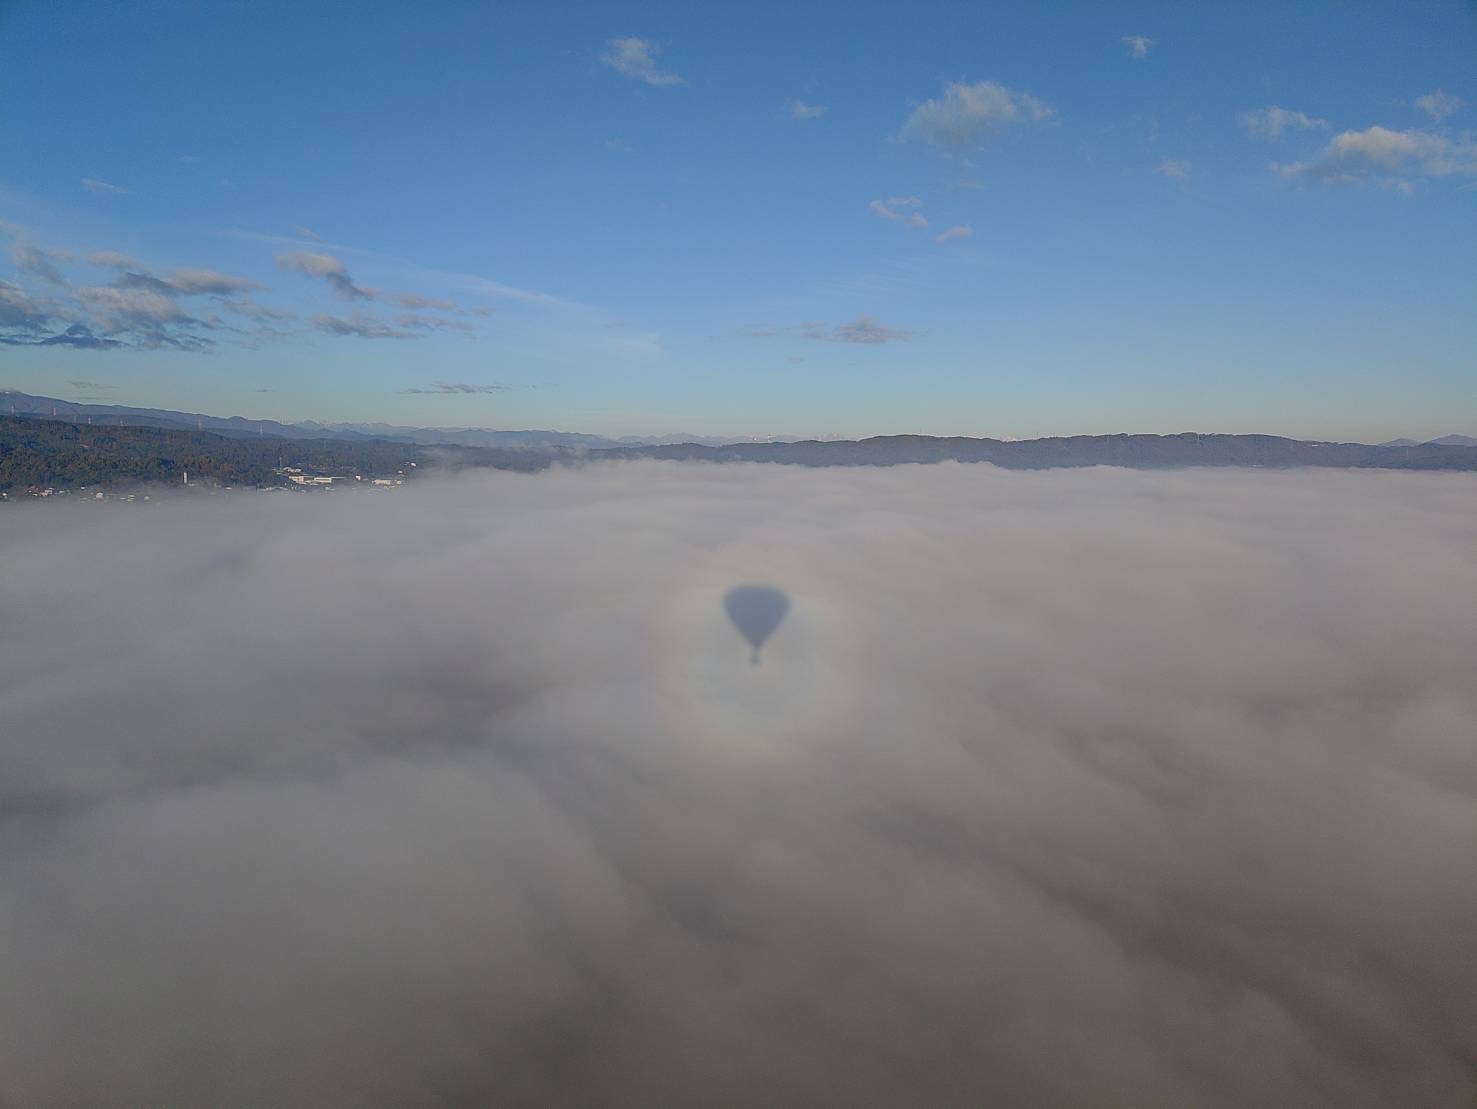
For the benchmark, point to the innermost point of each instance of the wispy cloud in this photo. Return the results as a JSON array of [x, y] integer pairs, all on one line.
[[1438, 104], [1272, 121], [423, 322], [637, 346], [455, 388], [967, 116], [1176, 169], [261, 313], [958, 231], [907, 219], [865, 329], [111, 259], [200, 282], [799, 109], [1138, 46], [360, 325], [20, 311], [93, 185], [325, 267], [91, 386], [415, 300], [636, 58], [39, 263], [415, 271]]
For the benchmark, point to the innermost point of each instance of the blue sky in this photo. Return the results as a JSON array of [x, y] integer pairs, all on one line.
[[986, 219]]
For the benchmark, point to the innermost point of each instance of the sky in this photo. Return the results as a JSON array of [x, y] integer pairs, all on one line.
[[1005, 219]]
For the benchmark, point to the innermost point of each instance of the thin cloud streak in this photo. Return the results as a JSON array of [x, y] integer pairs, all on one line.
[[93, 185], [455, 388], [414, 270]]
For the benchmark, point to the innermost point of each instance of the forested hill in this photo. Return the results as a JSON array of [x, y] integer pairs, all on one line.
[[64, 454]]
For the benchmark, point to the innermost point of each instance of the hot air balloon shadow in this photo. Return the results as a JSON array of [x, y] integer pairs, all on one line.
[[756, 610]]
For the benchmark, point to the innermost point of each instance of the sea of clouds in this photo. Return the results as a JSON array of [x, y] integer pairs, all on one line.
[[1054, 789]]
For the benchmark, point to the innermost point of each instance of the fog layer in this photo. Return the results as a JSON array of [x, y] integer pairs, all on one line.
[[1060, 789]]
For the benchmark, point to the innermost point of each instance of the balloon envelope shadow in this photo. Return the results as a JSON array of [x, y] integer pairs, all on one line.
[[756, 610]]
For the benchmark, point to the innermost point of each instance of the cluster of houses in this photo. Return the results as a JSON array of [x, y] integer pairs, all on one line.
[[295, 475]]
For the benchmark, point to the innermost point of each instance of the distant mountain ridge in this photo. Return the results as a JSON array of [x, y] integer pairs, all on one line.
[[14, 402], [1444, 441], [1187, 449]]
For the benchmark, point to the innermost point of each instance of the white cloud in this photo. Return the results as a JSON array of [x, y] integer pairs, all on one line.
[[1176, 169], [909, 219], [93, 185], [801, 110], [1271, 122], [905, 201], [636, 58], [958, 231], [1438, 105], [1138, 45], [966, 116], [1387, 157]]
